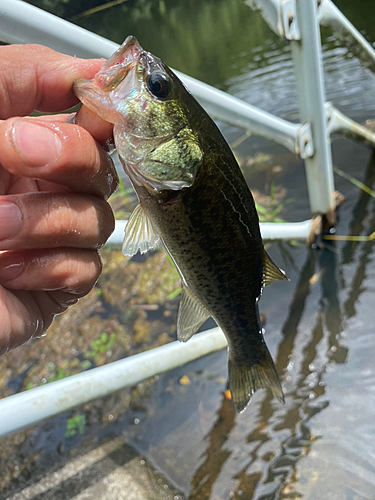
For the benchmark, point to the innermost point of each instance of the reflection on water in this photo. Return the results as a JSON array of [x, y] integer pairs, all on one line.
[[320, 444]]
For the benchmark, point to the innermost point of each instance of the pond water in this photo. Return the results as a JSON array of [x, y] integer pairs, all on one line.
[[319, 327]]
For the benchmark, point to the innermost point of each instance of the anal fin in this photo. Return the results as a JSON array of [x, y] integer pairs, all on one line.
[[191, 315], [140, 233], [271, 271], [245, 380]]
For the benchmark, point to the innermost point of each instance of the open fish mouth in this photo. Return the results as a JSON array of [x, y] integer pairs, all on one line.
[[95, 93], [119, 65]]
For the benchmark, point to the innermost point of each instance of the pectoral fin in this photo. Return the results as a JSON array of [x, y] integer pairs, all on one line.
[[173, 164], [271, 271], [140, 233], [191, 315]]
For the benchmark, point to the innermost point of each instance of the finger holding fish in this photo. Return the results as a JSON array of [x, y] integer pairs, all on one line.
[[71, 270], [26, 314], [56, 152], [54, 220], [35, 77], [99, 129], [36, 285]]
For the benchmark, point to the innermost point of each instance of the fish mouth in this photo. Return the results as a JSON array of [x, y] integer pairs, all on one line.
[[95, 93], [119, 65]]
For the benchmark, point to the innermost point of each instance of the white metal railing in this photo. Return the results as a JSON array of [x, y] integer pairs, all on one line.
[[27, 408], [293, 20]]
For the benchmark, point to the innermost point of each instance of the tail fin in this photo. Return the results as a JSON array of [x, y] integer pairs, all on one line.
[[245, 380]]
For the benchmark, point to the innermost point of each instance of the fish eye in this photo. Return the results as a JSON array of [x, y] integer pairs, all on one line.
[[159, 85]]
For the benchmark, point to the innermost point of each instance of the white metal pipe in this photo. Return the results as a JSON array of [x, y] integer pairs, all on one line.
[[24, 23], [229, 109], [330, 15], [279, 15], [117, 237], [338, 122], [286, 230], [311, 95], [21, 22], [269, 231], [30, 407]]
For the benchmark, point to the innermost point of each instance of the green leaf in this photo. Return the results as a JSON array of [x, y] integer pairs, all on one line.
[[75, 425]]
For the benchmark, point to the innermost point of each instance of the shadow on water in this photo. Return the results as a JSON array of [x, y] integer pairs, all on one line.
[[363, 221], [216, 454], [360, 212]]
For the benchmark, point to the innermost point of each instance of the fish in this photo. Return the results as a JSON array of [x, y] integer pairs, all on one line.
[[194, 200]]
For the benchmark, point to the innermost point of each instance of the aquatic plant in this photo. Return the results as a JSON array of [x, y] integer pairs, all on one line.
[[100, 346], [75, 425]]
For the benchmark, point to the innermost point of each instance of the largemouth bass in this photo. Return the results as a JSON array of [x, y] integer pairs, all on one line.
[[194, 198]]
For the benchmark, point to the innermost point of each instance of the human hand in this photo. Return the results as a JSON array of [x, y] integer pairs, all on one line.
[[54, 180]]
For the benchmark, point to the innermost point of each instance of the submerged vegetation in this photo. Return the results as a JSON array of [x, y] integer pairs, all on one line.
[[75, 425]]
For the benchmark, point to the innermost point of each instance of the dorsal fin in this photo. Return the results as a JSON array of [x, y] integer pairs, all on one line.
[[271, 272], [140, 233], [191, 314]]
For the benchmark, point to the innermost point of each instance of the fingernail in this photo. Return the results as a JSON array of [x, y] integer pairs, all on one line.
[[71, 118], [37, 145], [11, 266], [10, 220]]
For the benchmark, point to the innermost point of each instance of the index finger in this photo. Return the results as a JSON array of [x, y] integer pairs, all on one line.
[[35, 77]]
